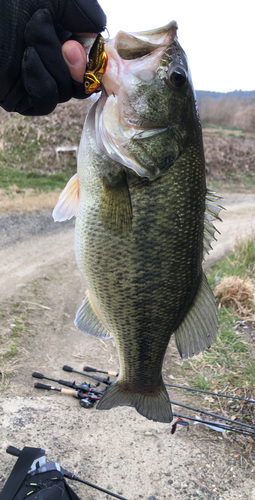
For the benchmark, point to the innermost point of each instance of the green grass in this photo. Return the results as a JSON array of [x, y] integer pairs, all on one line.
[[228, 362], [232, 353], [221, 127], [36, 180], [240, 263], [200, 382], [228, 366]]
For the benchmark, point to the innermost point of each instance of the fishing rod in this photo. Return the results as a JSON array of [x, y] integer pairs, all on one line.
[[212, 414], [69, 475], [247, 400], [215, 424], [70, 392], [16, 452], [95, 377], [84, 386], [115, 374], [89, 369]]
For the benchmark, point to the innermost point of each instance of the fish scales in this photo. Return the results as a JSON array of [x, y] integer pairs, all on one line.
[[150, 280], [139, 233]]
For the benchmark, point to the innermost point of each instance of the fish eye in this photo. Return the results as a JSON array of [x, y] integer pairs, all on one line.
[[178, 77]]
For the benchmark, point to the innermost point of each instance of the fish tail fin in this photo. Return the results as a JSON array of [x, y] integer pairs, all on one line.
[[154, 406]]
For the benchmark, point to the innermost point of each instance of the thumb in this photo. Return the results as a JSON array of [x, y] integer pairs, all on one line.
[[75, 58]]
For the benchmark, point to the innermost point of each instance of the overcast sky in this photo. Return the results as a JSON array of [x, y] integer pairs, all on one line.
[[218, 36]]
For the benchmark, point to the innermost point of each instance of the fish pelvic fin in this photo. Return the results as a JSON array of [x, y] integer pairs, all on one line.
[[67, 205], [212, 210], [115, 204], [199, 328], [87, 320], [154, 406]]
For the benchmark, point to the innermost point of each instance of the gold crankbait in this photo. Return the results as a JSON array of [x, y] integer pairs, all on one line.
[[96, 66]]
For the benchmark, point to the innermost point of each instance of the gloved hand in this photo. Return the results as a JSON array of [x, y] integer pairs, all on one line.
[[34, 77]]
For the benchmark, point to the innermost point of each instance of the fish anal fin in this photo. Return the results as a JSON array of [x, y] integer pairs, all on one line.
[[115, 204], [67, 205], [154, 406], [88, 321], [199, 328]]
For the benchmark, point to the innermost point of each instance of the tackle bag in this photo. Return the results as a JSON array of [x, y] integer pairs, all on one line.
[[35, 479]]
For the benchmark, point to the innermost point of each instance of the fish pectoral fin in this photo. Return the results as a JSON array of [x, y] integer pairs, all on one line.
[[67, 205], [199, 328], [154, 406], [87, 320], [115, 204]]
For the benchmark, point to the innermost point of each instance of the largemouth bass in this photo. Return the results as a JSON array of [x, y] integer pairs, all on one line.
[[144, 217]]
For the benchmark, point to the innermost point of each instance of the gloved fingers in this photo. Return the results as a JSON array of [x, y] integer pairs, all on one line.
[[23, 28], [42, 91], [14, 96], [40, 33], [78, 90], [80, 16], [36, 99]]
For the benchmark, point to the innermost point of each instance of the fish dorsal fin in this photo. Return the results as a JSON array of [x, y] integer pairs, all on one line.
[[199, 328], [212, 210], [87, 320], [67, 205]]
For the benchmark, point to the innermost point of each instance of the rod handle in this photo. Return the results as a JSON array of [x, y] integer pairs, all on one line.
[[65, 382], [67, 368], [13, 451], [37, 375], [70, 392], [38, 385]]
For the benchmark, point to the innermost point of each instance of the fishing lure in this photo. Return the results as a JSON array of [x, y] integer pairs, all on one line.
[[178, 421], [96, 66]]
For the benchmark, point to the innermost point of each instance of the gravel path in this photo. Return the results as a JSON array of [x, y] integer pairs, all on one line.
[[21, 226]]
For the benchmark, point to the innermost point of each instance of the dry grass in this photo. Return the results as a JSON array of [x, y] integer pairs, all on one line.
[[229, 158], [27, 200], [237, 293]]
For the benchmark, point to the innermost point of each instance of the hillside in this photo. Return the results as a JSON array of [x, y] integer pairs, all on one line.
[[29, 145], [237, 94], [232, 109]]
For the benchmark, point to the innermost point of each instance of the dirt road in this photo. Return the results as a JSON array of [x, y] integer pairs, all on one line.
[[117, 449]]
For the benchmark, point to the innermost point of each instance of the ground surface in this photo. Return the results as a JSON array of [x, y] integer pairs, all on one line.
[[117, 449]]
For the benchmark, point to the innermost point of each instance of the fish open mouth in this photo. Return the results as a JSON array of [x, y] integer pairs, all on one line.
[[132, 51], [133, 58]]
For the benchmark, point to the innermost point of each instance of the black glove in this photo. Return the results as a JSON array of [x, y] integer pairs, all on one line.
[[34, 77]]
